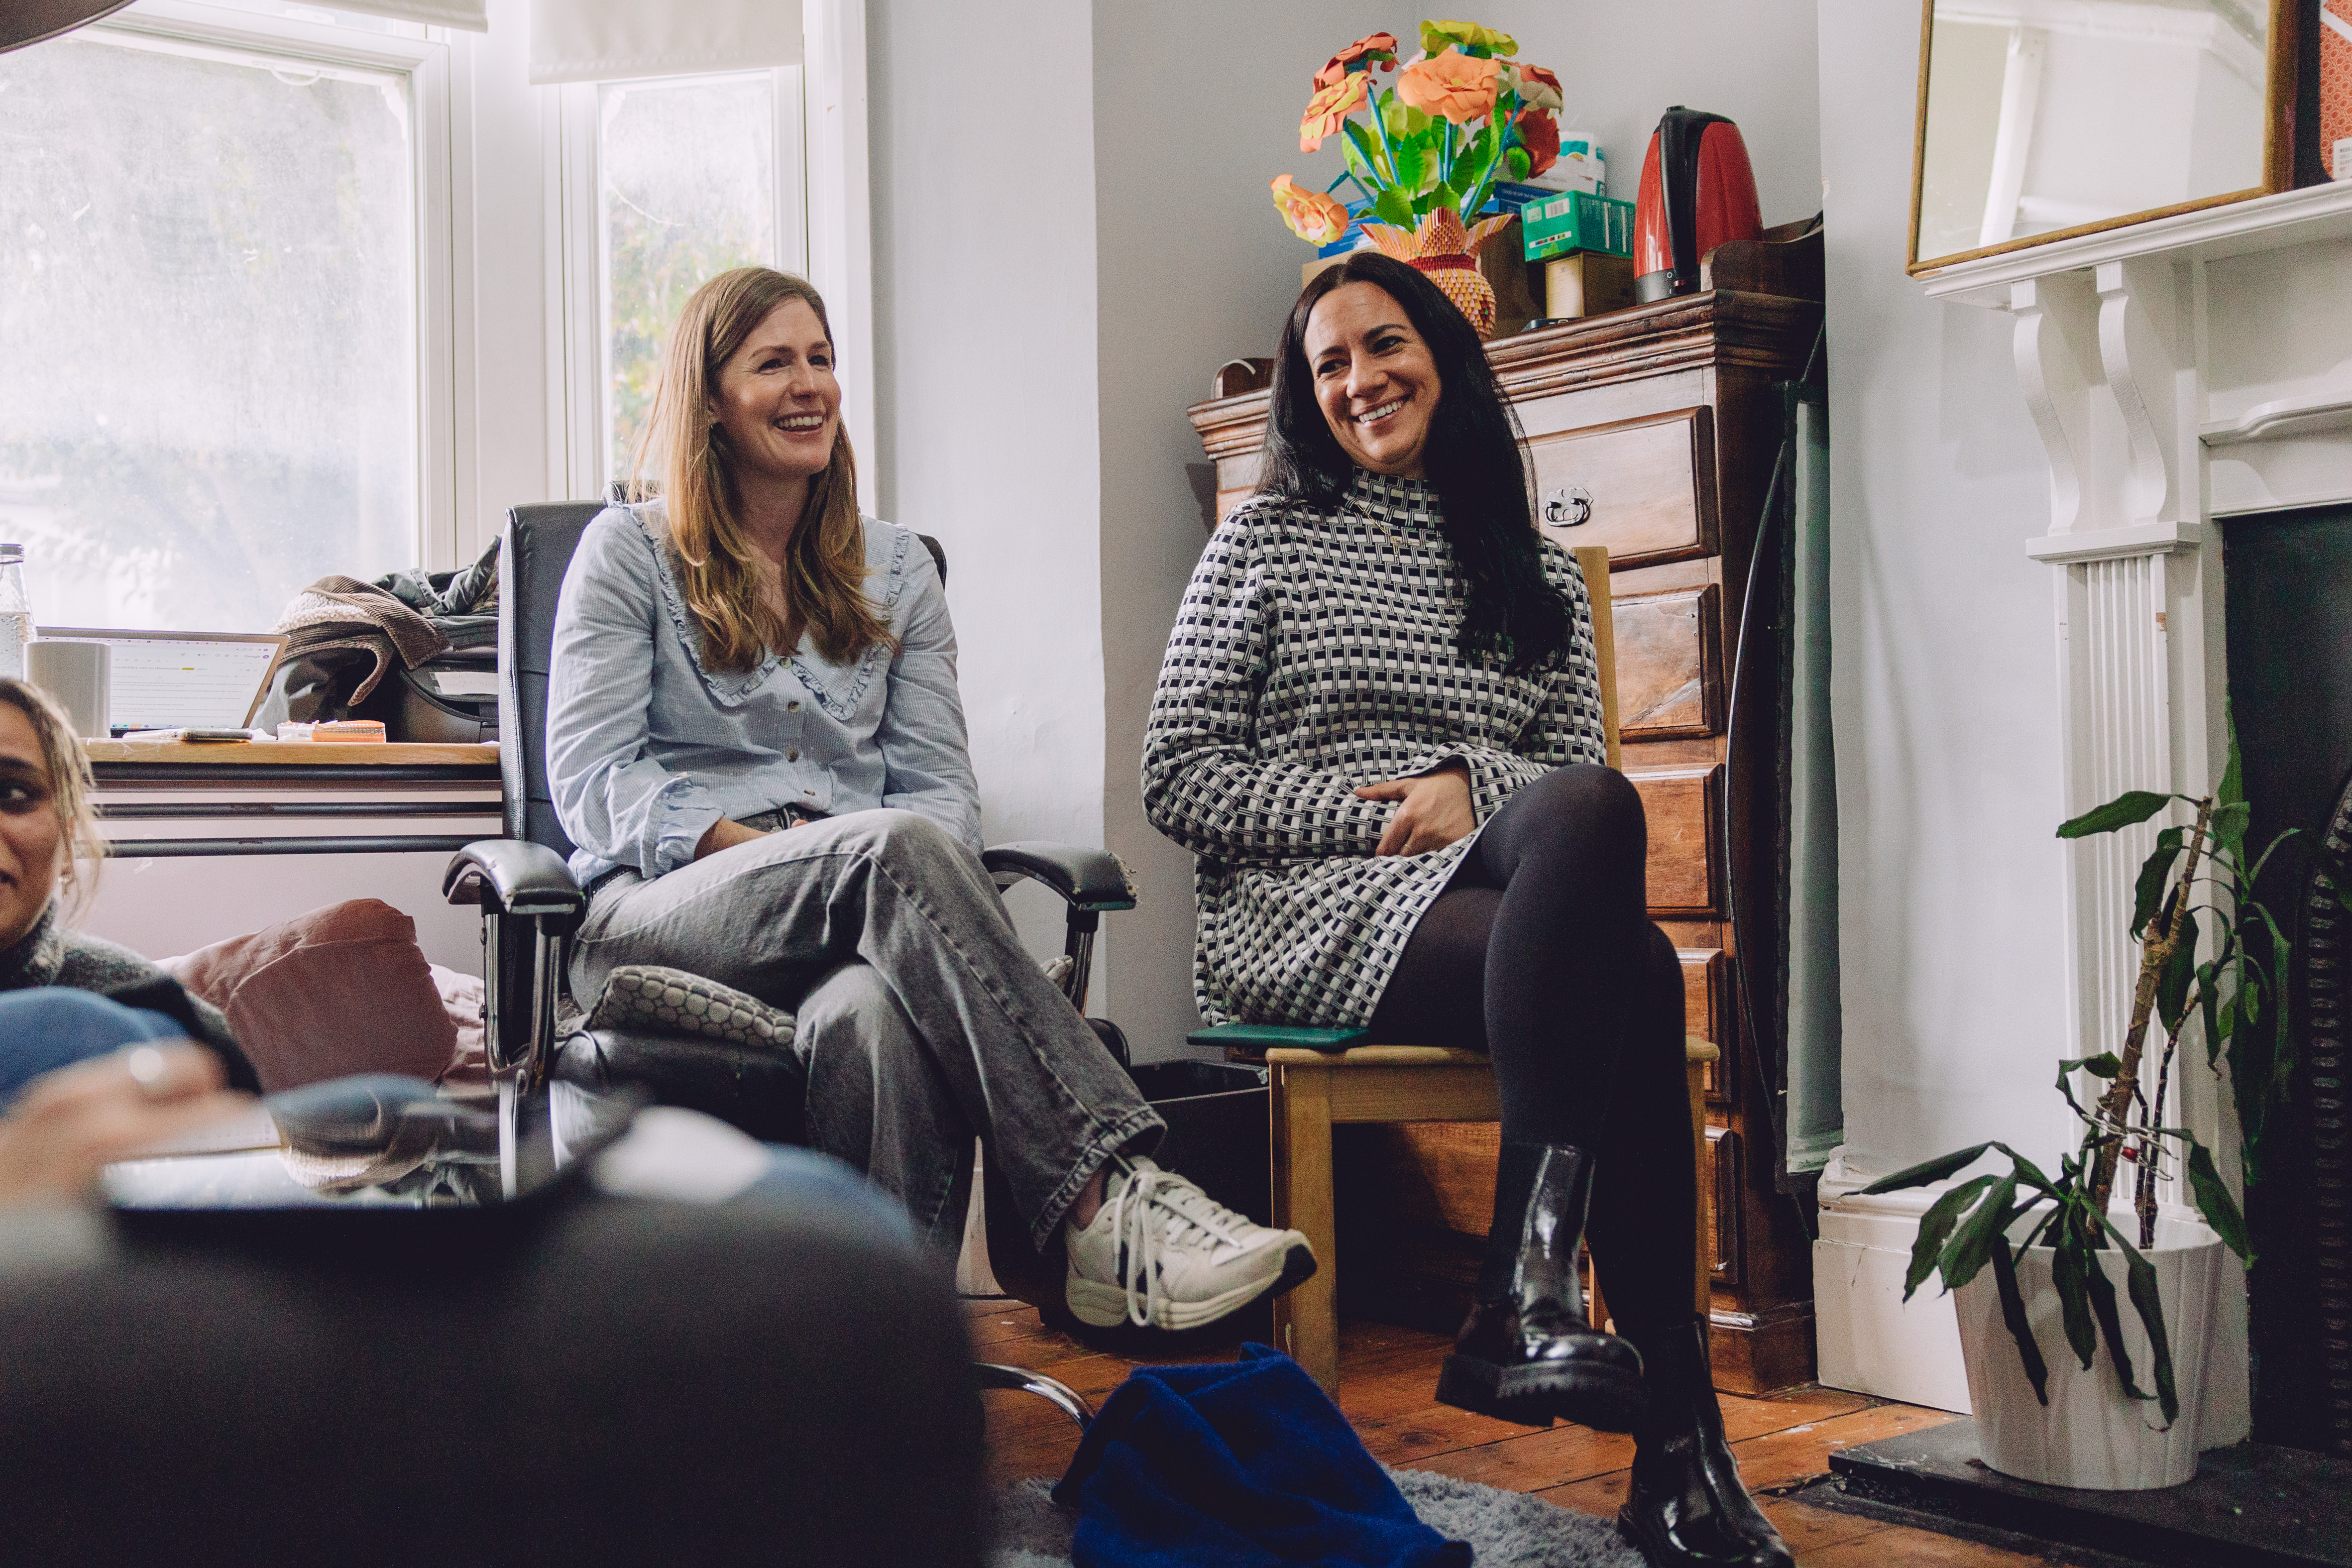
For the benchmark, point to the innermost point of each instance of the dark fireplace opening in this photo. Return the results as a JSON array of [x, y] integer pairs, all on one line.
[[2289, 609]]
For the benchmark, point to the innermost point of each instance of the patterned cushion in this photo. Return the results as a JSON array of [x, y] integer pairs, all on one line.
[[658, 1001]]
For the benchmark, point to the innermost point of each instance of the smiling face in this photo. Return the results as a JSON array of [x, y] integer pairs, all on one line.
[[32, 835], [1374, 378], [777, 399]]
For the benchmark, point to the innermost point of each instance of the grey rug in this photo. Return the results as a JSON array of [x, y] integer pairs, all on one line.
[[1506, 1530]]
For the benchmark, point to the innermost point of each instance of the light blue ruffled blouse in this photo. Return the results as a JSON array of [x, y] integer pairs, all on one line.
[[647, 747]]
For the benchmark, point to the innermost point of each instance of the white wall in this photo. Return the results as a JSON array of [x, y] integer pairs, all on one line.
[[1947, 678], [984, 258]]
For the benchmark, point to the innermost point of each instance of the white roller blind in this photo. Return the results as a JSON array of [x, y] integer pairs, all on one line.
[[470, 15], [617, 40]]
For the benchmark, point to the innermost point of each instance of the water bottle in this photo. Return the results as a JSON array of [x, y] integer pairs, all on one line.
[[15, 612]]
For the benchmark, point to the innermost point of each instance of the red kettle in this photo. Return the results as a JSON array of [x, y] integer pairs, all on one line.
[[1698, 191]]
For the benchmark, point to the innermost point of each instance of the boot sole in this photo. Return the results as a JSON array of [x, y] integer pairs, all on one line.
[[1602, 1398], [1104, 1306]]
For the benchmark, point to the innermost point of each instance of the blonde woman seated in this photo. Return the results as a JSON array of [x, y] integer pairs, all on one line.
[[754, 736]]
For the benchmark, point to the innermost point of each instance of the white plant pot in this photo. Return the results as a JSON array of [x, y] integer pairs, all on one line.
[[2092, 1435]]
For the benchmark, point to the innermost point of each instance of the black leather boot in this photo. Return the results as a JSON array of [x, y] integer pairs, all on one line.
[[1687, 1507], [1527, 1353]]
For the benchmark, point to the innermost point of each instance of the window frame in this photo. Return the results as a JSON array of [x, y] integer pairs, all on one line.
[[834, 218], [578, 452], [439, 339]]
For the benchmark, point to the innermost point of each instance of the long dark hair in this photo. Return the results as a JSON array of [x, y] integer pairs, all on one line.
[[1473, 459]]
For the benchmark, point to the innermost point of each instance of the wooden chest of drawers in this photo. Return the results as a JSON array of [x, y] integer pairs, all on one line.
[[1652, 431]]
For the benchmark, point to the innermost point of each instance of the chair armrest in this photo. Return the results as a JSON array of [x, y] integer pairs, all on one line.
[[1088, 878], [512, 876]]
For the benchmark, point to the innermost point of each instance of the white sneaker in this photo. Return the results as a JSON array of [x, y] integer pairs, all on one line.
[[1163, 1254]]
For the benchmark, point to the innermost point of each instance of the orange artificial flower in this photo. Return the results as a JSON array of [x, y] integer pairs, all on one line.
[[1457, 86], [1536, 88], [1381, 46], [1312, 216], [1329, 109], [1539, 134]]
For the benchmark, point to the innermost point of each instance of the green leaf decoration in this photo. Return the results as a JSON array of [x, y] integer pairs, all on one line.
[[1416, 164], [2149, 896], [1364, 157], [2131, 806], [2069, 1270], [1927, 1170], [1392, 207], [2214, 1202], [2012, 1312], [1517, 162], [1979, 1235], [1936, 1228], [1400, 118]]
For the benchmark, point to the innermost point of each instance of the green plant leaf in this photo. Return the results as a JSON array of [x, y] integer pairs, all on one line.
[[2069, 1265], [2131, 806], [1391, 206], [1935, 1228], [1979, 1235], [2214, 1202], [1926, 1170], [2233, 773], [2107, 1064], [2172, 987], [2139, 1278], [2154, 872], [2103, 1308], [2012, 1312]]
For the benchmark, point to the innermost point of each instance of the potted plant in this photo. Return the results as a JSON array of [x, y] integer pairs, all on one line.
[[2212, 962], [1461, 116]]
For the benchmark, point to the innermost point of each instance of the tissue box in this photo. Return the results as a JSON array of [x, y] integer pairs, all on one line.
[[1574, 221]]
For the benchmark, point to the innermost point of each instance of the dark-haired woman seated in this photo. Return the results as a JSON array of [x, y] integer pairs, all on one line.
[[1378, 726]]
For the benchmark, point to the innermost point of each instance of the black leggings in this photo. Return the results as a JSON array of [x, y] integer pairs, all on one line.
[[1540, 952]]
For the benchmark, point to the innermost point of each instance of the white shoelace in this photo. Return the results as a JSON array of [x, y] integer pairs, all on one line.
[[1182, 1206]]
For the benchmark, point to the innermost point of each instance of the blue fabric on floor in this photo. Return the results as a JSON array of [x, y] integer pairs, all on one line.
[[1237, 1464]]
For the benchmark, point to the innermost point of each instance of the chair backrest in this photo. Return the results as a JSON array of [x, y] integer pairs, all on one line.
[[534, 554], [1593, 560]]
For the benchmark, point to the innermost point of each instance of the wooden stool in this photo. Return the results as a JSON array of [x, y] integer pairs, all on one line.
[[1312, 1091]]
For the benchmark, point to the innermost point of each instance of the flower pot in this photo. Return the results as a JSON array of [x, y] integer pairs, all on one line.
[[2092, 1435], [1448, 254]]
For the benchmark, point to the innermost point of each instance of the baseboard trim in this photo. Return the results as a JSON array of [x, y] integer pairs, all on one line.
[[1762, 1352]]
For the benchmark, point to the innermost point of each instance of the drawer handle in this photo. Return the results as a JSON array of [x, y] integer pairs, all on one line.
[[1569, 508]]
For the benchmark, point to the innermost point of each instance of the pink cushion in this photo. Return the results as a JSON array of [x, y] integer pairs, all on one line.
[[340, 990]]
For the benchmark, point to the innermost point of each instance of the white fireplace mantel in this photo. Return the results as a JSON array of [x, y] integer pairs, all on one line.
[[2180, 373]]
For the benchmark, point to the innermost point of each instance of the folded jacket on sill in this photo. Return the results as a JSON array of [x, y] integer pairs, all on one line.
[[1234, 1464]]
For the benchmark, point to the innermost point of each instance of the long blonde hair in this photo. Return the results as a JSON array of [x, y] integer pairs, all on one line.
[[685, 453], [65, 762]]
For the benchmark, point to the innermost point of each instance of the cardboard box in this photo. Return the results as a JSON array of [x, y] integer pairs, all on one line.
[[1587, 283], [1576, 221]]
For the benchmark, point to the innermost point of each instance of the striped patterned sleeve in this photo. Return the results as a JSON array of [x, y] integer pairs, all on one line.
[[1204, 783]]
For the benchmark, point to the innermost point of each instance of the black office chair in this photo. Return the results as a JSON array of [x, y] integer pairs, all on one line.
[[530, 906]]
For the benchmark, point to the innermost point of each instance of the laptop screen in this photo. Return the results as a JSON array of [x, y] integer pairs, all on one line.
[[211, 680]]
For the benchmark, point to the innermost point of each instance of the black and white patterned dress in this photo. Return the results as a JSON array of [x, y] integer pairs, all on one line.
[[1315, 653]]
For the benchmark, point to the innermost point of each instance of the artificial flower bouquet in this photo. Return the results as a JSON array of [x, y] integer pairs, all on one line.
[[1461, 115]]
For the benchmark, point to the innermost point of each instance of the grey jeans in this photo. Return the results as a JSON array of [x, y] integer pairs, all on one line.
[[921, 1019]]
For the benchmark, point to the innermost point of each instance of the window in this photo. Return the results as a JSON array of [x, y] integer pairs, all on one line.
[[692, 175], [209, 230]]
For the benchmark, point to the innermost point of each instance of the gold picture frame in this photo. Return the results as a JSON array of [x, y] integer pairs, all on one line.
[[2278, 149]]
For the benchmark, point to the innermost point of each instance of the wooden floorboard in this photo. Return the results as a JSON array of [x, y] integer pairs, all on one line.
[[1388, 1378]]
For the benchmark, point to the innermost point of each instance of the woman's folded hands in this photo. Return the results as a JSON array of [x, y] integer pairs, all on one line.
[[1434, 809]]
